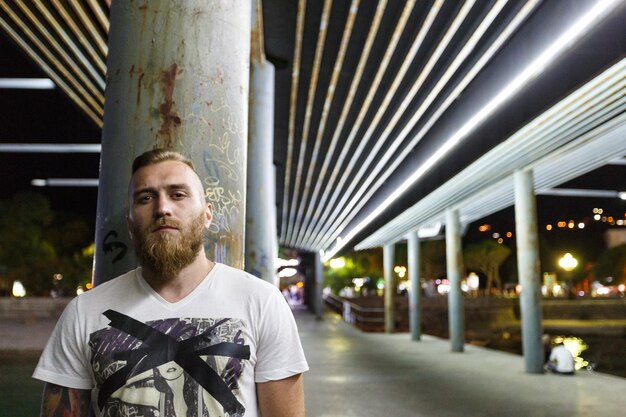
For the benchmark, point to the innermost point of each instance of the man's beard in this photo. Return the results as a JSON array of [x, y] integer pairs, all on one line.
[[166, 253]]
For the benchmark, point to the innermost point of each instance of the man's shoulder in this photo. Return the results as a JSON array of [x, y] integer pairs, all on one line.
[[231, 275], [117, 284]]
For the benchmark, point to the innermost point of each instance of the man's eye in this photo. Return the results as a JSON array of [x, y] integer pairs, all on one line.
[[179, 195], [144, 199]]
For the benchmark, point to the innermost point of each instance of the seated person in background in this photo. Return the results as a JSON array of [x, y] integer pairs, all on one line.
[[561, 361]]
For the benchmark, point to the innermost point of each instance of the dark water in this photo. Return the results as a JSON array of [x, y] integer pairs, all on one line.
[[604, 353], [19, 393]]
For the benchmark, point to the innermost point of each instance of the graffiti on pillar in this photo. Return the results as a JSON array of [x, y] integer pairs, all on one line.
[[118, 248], [219, 183], [223, 160]]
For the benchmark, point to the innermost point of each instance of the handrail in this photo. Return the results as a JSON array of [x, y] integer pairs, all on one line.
[[353, 313]]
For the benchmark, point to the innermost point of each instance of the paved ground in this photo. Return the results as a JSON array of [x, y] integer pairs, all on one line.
[[357, 374]]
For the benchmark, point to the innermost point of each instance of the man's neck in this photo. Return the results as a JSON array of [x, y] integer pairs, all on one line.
[[178, 287]]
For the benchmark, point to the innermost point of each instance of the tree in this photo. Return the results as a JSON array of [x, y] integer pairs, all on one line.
[[487, 256], [361, 264], [433, 258], [24, 250], [34, 245], [612, 263]]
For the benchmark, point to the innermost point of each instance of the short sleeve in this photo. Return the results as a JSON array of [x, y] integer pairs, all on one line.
[[64, 360], [279, 351]]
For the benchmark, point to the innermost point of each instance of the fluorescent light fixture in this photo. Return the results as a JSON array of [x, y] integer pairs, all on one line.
[[27, 83], [579, 192], [622, 195], [287, 272], [567, 39], [280, 262], [50, 148], [65, 182], [429, 231]]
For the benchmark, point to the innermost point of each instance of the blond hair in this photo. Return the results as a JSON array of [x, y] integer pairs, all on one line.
[[160, 155]]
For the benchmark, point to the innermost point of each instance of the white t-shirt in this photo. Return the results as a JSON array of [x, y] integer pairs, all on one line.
[[142, 355], [563, 358]]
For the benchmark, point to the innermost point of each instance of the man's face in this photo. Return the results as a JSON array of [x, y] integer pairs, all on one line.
[[167, 216]]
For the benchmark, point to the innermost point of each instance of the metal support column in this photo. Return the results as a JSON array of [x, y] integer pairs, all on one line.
[[318, 301], [529, 270], [390, 287], [177, 78], [416, 289], [454, 264], [260, 205]]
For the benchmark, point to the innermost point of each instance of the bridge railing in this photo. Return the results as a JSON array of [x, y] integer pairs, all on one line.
[[365, 318]]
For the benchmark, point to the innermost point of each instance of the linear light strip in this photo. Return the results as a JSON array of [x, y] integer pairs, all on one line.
[[97, 77], [365, 105], [578, 192], [587, 153], [27, 83], [484, 201], [584, 114], [390, 149], [366, 197], [92, 30], [98, 57], [484, 169], [500, 195], [65, 182], [100, 13], [96, 91], [319, 52], [50, 147], [504, 35], [517, 20], [456, 190], [293, 100], [330, 92], [572, 34], [89, 99], [356, 79], [59, 81]]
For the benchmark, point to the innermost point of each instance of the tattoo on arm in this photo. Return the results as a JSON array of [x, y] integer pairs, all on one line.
[[61, 401]]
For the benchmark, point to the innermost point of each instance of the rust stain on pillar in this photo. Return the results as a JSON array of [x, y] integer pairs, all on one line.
[[170, 119]]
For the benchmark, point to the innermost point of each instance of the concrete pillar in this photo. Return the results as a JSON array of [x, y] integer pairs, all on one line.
[[390, 287], [273, 229], [177, 77], [529, 271], [260, 205], [416, 289], [454, 266], [318, 301]]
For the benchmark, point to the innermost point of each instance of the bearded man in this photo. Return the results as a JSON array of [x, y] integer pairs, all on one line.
[[180, 335]]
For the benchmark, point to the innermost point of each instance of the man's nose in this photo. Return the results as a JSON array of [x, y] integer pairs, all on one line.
[[163, 207]]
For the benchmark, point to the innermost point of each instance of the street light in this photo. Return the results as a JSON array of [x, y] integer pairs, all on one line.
[[337, 263], [568, 262]]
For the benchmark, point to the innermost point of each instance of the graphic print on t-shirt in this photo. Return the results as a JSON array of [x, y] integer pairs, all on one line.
[[178, 367]]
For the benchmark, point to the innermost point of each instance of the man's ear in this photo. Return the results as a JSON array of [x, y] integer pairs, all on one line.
[[129, 227], [208, 211]]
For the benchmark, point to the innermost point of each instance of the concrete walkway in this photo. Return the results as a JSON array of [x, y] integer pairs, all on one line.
[[355, 374]]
